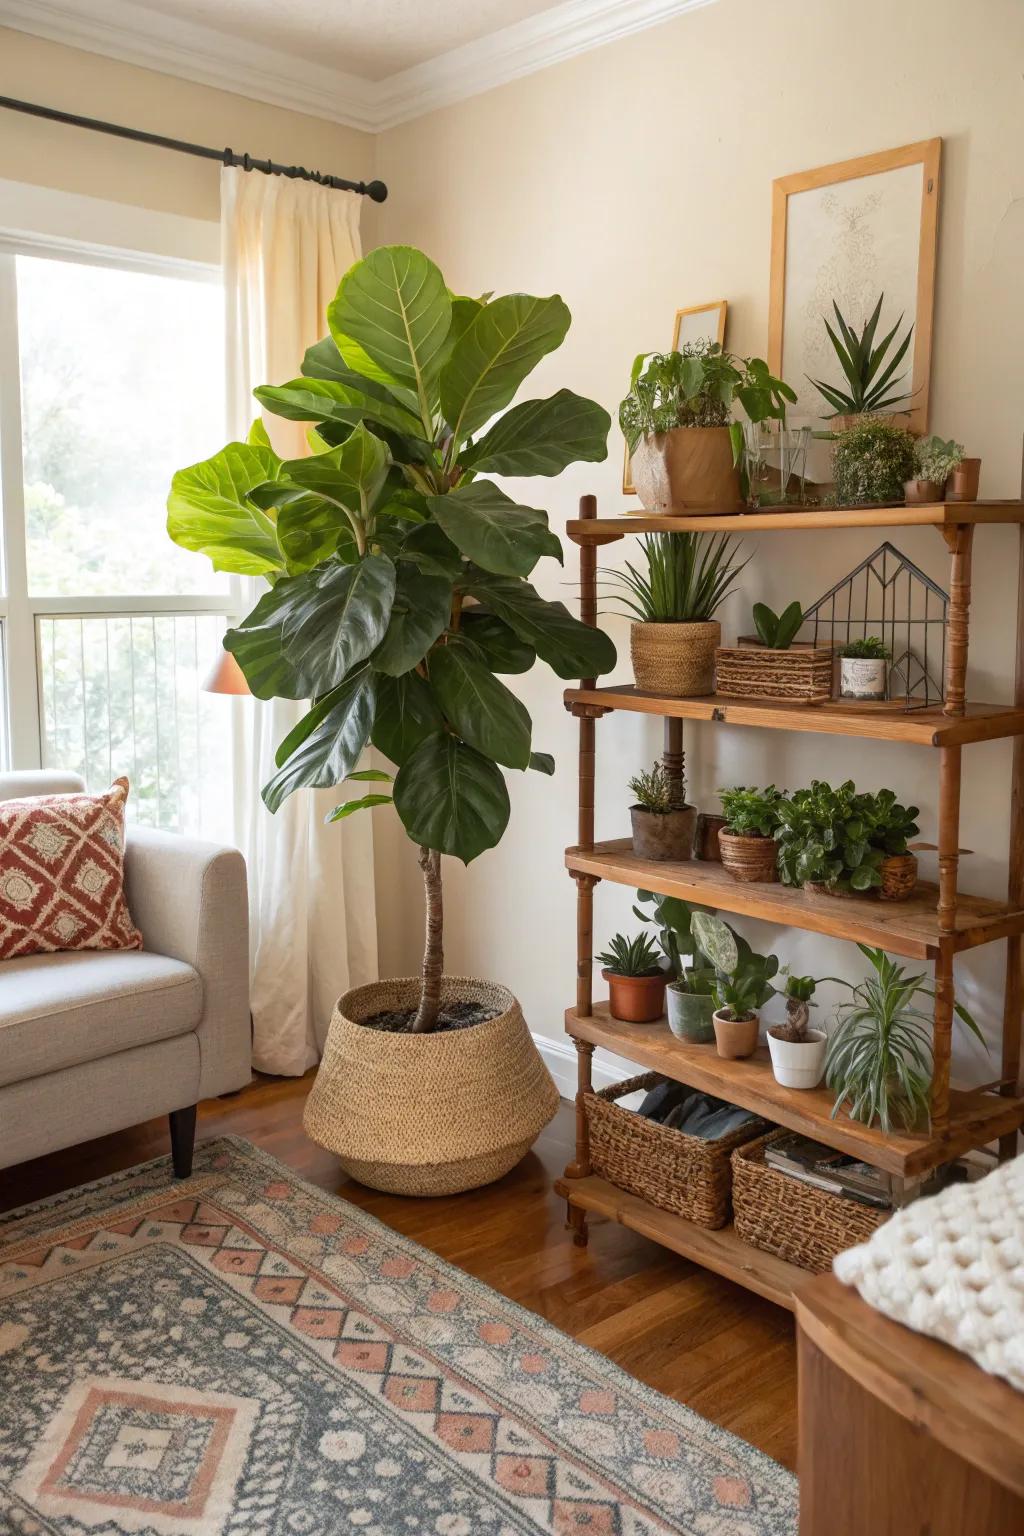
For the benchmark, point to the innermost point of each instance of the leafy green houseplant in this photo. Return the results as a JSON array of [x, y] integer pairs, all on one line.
[[775, 664], [871, 462], [636, 978], [934, 462], [869, 370], [672, 605], [879, 1057], [663, 823], [863, 669], [743, 984], [397, 572], [838, 839], [747, 841], [676, 419], [689, 994]]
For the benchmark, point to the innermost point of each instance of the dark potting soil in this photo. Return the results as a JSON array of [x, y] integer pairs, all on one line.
[[397, 1021]]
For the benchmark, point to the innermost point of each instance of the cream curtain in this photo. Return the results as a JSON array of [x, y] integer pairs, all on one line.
[[285, 245]]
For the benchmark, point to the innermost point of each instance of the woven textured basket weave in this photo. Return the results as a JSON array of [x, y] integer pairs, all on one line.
[[780, 1215], [677, 660], [429, 1114], [899, 877], [688, 1175], [803, 674], [747, 857]]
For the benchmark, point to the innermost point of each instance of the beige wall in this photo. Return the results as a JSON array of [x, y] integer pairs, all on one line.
[[636, 179]]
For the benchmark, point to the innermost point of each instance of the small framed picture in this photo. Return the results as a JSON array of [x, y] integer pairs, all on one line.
[[701, 322]]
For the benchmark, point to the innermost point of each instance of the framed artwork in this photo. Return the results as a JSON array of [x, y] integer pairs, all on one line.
[[701, 322], [848, 233]]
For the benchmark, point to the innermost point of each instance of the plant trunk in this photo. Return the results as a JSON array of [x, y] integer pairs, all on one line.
[[798, 1016], [433, 952]]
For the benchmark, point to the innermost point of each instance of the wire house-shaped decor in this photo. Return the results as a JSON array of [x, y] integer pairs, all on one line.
[[889, 596]]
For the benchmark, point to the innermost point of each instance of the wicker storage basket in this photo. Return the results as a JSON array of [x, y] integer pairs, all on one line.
[[797, 1222], [687, 1175], [802, 675]]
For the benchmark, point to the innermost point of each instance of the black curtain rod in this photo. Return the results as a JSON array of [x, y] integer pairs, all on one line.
[[375, 190]]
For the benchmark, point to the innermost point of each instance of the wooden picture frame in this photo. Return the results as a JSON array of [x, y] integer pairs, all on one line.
[[894, 201], [716, 330]]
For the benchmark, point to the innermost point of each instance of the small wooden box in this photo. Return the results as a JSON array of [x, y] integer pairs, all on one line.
[[800, 675]]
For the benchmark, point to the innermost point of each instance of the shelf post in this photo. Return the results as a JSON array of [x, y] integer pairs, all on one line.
[[674, 758], [950, 763], [1013, 994], [959, 539]]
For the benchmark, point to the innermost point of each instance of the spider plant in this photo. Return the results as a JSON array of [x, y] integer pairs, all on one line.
[[861, 361], [688, 577], [879, 1058]]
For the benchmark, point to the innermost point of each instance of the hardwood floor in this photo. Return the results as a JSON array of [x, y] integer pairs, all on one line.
[[707, 1343]]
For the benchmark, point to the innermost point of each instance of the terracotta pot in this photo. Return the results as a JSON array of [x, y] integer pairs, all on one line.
[[735, 1037], [899, 877], [798, 1063], [690, 1014], [705, 843], [689, 469], [747, 857], [636, 999], [675, 660], [964, 482], [918, 491], [665, 836], [862, 677]]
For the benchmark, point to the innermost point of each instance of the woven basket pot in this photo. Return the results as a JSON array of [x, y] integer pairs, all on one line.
[[429, 1114], [899, 877], [749, 858], [688, 469], [676, 660]]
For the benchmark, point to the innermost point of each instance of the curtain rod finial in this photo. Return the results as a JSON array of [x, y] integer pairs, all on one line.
[[376, 191]]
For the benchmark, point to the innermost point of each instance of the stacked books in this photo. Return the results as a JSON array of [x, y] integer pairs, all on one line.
[[824, 1168]]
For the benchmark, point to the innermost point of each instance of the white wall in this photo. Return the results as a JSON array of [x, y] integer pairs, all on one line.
[[636, 179]]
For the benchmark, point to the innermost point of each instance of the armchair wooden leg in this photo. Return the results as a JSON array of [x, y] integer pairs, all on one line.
[[183, 1139]]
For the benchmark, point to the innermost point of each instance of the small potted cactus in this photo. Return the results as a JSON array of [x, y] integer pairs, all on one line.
[[635, 977], [663, 823], [797, 1051], [863, 668]]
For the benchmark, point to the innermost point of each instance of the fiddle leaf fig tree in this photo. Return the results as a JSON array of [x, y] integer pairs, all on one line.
[[398, 591]]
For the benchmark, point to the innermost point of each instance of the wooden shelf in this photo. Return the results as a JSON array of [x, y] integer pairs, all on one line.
[[925, 727], [941, 514], [721, 1251], [902, 927], [974, 1118]]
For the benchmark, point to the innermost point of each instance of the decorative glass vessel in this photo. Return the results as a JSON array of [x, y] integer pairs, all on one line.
[[776, 463]]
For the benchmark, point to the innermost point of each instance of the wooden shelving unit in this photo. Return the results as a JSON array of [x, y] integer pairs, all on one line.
[[937, 924]]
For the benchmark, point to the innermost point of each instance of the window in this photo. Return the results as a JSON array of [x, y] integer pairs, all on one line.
[[111, 377]]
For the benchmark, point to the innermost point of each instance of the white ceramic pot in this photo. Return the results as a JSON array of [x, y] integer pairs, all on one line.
[[798, 1065], [862, 677]]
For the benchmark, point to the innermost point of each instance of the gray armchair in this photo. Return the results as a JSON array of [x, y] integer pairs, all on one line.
[[92, 1041]]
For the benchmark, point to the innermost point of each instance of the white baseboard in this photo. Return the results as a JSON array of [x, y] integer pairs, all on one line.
[[559, 1057]]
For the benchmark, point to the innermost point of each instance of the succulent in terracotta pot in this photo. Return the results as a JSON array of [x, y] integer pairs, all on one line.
[[636, 979]]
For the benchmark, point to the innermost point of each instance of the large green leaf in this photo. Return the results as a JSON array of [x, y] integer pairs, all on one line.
[[329, 400], [540, 437], [485, 713], [493, 530], [395, 305], [351, 475], [324, 361], [407, 714], [332, 747], [340, 617], [209, 510], [501, 647], [571, 649], [452, 798], [257, 644], [505, 342], [419, 614], [311, 530], [432, 551]]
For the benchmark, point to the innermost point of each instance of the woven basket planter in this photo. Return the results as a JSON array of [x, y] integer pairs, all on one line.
[[899, 877], [677, 660], [780, 1215], [748, 858], [687, 1175], [801, 675], [429, 1114]]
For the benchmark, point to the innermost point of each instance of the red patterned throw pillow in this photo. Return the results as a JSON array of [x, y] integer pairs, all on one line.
[[62, 874]]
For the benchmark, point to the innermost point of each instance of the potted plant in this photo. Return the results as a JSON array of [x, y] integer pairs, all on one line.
[[837, 840], [688, 994], [397, 593], [964, 481], [934, 462], [775, 665], [663, 823], [867, 368], [742, 985], [890, 828], [879, 1057], [747, 841], [684, 450], [674, 634], [871, 462], [863, 668], [797, 1051], [635, 977]]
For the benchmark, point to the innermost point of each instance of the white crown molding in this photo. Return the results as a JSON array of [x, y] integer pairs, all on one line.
[[118, 29]]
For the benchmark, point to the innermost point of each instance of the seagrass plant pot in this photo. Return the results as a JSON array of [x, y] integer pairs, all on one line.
[[664, 835], [899, 877], [676, 660], [747, 857], [686, 470], [430, 1114]]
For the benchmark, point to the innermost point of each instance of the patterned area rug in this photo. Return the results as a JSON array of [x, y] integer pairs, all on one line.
[[243, 1353]]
